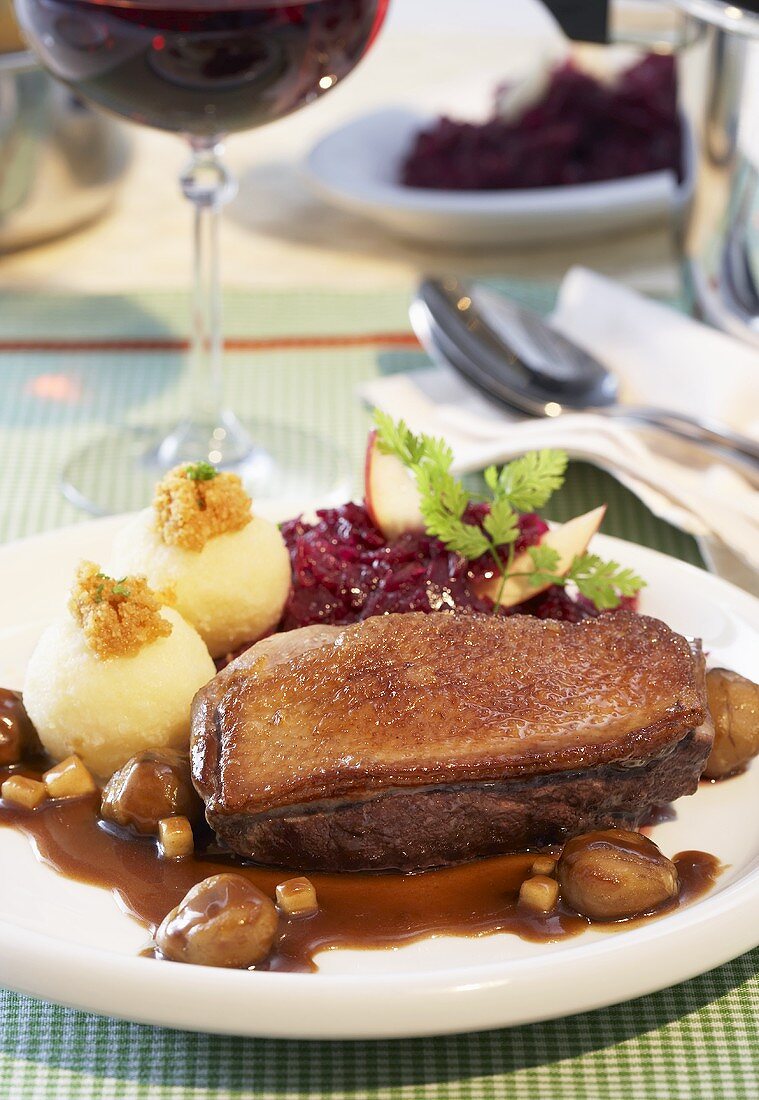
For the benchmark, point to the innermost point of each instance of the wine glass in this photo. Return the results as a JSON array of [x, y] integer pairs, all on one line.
[[204, 69]]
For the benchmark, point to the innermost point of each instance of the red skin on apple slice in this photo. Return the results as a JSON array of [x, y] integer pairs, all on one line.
[[391, 496]]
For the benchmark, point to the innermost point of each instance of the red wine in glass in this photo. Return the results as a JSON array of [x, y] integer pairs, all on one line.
[[203, 68]]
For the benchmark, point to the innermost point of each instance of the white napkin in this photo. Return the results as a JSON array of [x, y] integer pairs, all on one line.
[[661, 358]]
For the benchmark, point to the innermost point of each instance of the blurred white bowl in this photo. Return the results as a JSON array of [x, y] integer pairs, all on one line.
[[357, 167]]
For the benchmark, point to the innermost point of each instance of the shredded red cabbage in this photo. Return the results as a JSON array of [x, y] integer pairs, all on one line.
[[580, 131], [344, 570]]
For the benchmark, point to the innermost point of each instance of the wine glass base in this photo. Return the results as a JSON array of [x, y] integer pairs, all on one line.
[[289, 469]]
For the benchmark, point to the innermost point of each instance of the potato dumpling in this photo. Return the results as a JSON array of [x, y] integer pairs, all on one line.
[[232, 591], [107, 709]]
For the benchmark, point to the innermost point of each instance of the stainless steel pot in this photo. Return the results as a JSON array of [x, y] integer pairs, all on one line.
[[724, 239], [61, 161], [719, 83]]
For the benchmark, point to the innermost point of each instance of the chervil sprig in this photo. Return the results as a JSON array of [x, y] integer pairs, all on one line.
[[545, 561], [603, 582], [523, 485], [395, 437], [443, 499], [501, 522], [528, 482]]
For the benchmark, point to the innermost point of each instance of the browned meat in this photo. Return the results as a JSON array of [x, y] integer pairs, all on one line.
[[415, 740]]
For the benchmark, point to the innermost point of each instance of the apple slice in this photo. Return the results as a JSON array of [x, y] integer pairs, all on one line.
[[569, 540], [392, 500]]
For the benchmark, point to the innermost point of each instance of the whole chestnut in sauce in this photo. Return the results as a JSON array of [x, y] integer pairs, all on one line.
[[614, 874], [734, 707], [154, 784], [223, 921], [17, 734]]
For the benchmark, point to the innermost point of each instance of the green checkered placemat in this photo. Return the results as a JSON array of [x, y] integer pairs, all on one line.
[[70, 368]]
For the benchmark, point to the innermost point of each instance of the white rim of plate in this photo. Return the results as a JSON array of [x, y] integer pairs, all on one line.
[[628, 964]]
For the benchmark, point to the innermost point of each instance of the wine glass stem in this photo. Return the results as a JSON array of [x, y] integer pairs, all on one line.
[[208, 185]]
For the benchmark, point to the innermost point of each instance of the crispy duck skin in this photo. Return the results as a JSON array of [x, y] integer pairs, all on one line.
[[315, 739]]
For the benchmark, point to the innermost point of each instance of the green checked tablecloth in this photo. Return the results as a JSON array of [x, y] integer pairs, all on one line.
[[72, 367]]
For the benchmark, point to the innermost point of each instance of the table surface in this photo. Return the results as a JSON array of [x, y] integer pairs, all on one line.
[[121, 281]]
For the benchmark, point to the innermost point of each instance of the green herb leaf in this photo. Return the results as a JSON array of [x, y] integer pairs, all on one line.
[[521, 486], [491, 478], [545, 562], [120, 589], [442, 502], [396, 438], [502, 522], [464, 539], [528, 482], [603, 582], [200, 471]]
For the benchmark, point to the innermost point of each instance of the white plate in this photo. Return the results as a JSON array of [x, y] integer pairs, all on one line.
[[357, 167], [68, 942]]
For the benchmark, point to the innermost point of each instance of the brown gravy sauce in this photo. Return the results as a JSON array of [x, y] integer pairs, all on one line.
[[355, 910]]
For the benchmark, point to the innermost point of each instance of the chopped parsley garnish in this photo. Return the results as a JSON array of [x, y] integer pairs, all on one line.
[[201, 471]]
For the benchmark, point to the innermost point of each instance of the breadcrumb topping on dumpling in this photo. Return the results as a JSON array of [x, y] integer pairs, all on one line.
[[118, 617], [195, 503]]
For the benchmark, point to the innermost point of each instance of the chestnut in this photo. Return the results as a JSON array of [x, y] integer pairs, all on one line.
[[614, 874], [734, 707], [222, 921], [153, 785], [17, 734]]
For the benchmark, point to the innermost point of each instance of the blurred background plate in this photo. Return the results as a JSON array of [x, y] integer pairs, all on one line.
[[357, 167]]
